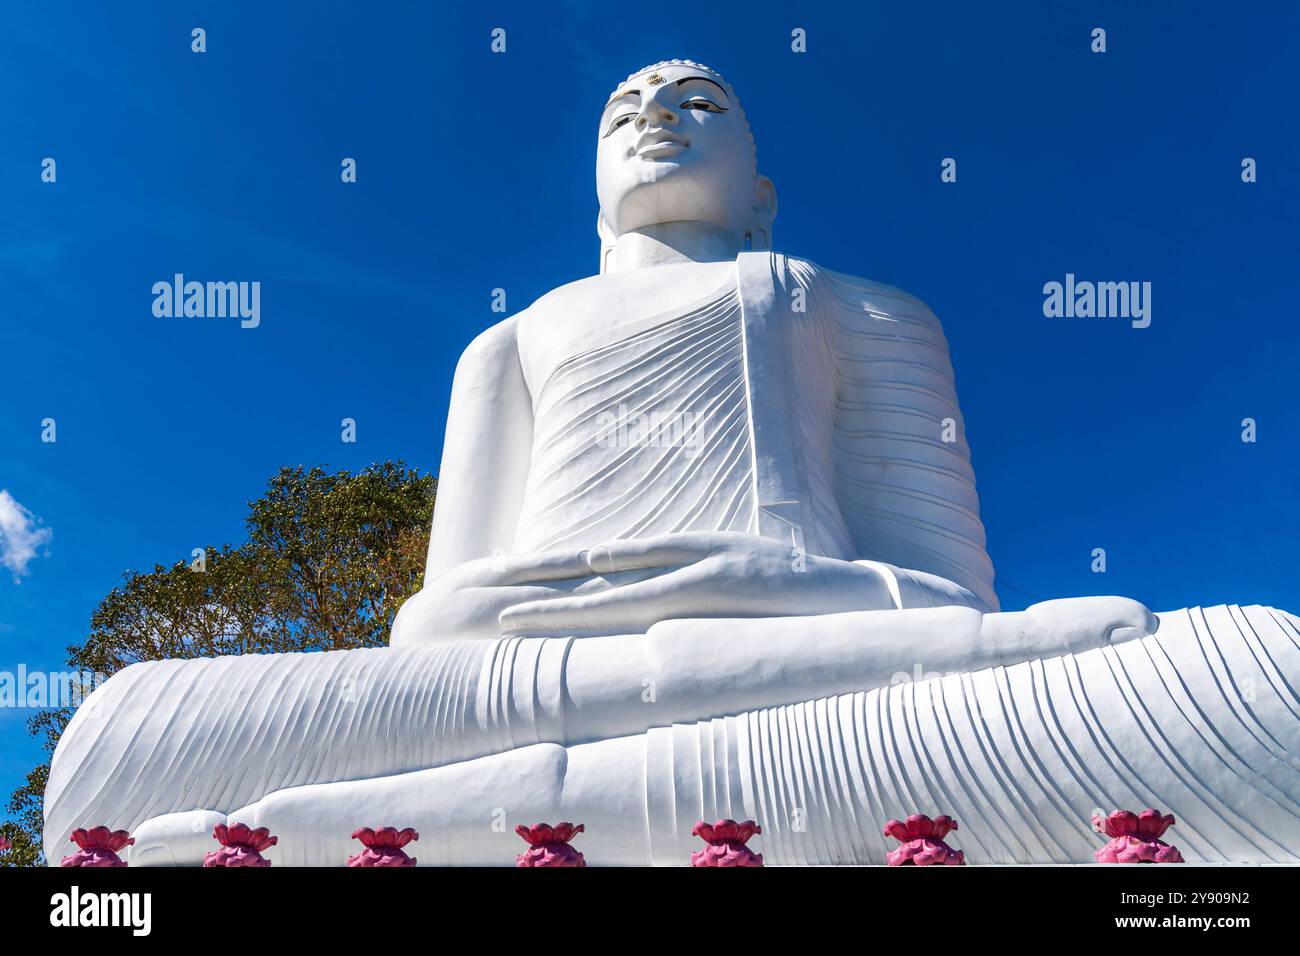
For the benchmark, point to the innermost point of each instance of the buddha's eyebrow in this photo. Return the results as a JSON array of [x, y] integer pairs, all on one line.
[[705, 79], [614, 99]]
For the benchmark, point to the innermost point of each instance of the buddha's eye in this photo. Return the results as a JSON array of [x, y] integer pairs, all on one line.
[[620, 121], [698, 103]]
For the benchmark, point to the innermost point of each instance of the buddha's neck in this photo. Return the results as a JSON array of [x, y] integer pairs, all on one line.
[[669, 242]]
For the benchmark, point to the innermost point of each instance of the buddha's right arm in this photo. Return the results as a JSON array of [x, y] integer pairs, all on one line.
[[485, 454], [480, 484]]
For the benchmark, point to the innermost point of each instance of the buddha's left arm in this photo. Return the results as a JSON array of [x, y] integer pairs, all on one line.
[[903, 478], [485, 453]]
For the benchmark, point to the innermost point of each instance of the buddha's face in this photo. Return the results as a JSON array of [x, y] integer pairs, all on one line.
[[674, 147]]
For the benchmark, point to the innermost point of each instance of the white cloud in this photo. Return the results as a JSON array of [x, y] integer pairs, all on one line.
[[21, 538]]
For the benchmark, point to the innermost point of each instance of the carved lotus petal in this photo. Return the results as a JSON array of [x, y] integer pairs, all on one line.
[[922, 839], [726, 844], [549, 845], [385, 837], [241, 836], [1150, 823], [941, 826], [726, 831], [920, 827], [926, 851], [543, 833], [102, 838], [98, 847], [1135, 838]]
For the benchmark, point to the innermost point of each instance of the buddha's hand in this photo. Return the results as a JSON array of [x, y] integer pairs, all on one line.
[[467, 601], [699, 574]]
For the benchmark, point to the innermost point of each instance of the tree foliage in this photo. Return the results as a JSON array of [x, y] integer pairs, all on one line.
[[329, 559]]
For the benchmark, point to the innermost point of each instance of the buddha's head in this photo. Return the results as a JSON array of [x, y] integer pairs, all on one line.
[[674, 146]]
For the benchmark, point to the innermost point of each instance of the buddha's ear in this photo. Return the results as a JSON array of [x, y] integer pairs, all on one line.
[[607, 242], [764, 200], [603, 230], [760, 235]]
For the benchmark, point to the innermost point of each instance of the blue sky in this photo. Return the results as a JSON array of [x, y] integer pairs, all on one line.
[[475, 171]]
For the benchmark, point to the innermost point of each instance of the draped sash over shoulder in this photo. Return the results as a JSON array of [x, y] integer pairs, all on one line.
[[646, 434]]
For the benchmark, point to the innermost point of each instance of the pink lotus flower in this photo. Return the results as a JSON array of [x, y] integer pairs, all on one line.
[[98, 847], [549, 845], [240, 846], [726, 841], [1135, 837], [922, 840], [383, 847]]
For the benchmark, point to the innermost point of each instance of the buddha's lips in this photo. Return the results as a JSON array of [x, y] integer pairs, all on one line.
[[651, 146]]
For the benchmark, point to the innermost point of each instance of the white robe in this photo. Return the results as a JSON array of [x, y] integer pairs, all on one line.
[[1200, 719]]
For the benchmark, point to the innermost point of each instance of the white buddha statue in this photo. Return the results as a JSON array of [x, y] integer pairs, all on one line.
[[696, 516]]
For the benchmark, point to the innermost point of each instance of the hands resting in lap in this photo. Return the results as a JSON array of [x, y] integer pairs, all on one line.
[[626, 586]]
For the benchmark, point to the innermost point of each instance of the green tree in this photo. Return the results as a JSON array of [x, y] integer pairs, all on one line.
[[329, 559]]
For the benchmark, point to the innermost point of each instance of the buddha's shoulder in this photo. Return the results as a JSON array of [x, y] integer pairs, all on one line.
[[684, 285], [568, 296], [614, 294], [856, 294], [677, 274], [560, 299], [495, 345]]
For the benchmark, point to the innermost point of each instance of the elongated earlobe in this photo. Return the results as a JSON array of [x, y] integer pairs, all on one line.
[[607, 242], [760, 234]]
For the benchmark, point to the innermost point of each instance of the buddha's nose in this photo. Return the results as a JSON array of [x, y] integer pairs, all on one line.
[[654, 115]]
